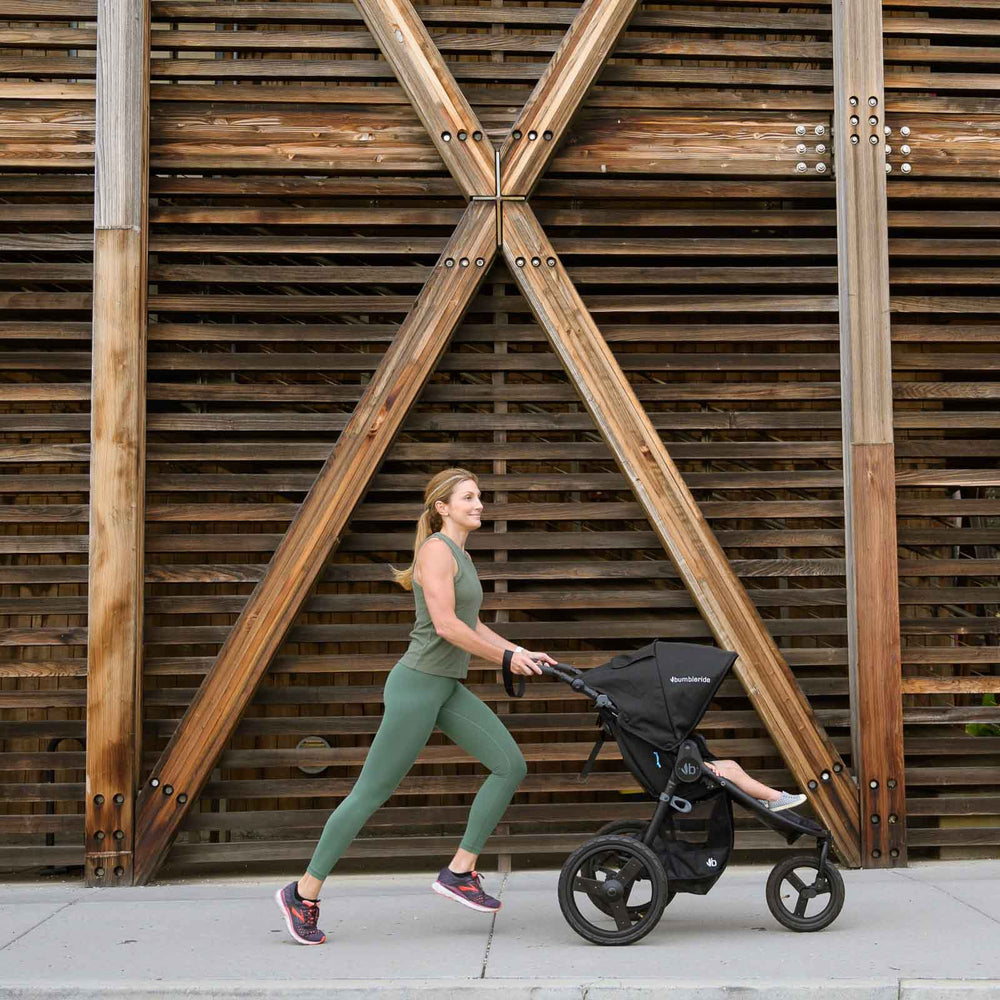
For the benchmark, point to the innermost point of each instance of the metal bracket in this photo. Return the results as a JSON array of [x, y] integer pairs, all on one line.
[[497, 197]]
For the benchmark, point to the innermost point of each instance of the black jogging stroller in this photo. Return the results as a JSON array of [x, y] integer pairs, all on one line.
[[614, 888]]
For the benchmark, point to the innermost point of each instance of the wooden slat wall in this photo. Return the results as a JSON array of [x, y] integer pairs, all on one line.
[[943, 112], [296, 204], [46, 265]]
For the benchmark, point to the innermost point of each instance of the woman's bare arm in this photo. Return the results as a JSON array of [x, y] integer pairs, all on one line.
[[437, 568]]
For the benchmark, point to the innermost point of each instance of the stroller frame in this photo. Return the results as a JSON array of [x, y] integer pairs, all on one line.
[[636, 850]]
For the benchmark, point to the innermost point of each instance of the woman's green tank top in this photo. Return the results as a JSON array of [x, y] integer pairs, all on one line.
[[430, 653]]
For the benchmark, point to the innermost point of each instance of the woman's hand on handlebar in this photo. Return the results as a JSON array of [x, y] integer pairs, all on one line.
[[526, 662]]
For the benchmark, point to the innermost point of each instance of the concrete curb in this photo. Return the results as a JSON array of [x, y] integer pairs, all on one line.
[[510, 989]]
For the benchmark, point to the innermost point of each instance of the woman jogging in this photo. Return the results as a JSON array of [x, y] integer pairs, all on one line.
[[424, 690]]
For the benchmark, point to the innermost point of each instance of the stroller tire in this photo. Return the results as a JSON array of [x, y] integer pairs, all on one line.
[[623, 861], [628, 828], [789, 894]]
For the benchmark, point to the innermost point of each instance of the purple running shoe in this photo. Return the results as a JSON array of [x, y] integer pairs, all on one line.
[[300, 916], [465, 889]]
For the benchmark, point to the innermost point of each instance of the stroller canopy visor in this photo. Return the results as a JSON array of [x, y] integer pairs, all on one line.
[[662, 691]]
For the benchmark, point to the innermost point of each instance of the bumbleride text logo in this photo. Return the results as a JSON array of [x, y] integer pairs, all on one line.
[[690, 680]]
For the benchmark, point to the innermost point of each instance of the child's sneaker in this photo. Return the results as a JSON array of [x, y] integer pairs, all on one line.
[[300, 916], [465, 889], [785, 801]]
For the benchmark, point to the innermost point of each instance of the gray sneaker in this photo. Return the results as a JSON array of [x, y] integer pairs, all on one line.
[[785, 801]]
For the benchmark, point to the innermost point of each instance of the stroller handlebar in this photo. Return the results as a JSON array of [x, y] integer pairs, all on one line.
[[572, 676]]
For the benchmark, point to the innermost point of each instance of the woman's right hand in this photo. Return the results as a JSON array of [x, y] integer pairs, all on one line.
[[522, 663]]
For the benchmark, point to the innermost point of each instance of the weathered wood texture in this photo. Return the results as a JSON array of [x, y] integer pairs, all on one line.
[[866, 410], [542, 123], [709, 264], [679, 524], [186, 763], [117, 442]]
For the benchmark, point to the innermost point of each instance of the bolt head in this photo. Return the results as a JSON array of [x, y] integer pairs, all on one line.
[[854, 140], [906, 168], [853, 101], [905, 150], [855, 120], [801, 167], [887, 130], [820, 130], [800, 130], [888, 168], [888, 150], [800, 148], [821, 168], [873, 101], [873, 139], [905, 130]]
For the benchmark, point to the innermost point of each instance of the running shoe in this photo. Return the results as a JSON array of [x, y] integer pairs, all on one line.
[[465, 889], [300, 916], [786, 801]]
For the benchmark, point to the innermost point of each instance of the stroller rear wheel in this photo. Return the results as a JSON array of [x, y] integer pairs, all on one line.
[[612, 890], [803, 898], [628, 828]]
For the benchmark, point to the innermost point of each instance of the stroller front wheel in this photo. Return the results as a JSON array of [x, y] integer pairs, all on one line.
[[600, 886], [803, 898]]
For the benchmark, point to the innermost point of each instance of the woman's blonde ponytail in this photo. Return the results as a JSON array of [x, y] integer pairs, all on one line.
[[441, 488]]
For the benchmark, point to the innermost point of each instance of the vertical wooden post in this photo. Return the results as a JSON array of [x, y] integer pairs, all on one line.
[[869, 466], [118, 430]]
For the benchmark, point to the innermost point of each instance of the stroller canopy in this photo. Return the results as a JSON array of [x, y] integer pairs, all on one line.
[[662, 691]]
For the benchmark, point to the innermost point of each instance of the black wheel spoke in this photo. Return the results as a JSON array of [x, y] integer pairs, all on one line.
[[800, 906], [620, 912], [797, 884], [630, 871], [591, 886]]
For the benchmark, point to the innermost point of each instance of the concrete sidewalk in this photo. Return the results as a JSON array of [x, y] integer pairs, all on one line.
[[930, 932]]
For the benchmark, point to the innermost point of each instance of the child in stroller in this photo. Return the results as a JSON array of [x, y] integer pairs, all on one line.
[[614, 888], [770, 798]]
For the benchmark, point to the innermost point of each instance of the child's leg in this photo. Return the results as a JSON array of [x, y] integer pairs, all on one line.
[[732, 771]]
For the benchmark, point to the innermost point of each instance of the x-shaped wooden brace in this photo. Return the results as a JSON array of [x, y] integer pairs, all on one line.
[[497, 186]]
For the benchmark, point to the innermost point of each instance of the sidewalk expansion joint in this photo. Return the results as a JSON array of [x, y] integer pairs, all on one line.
[[33, 927], [493, 925], [982, 913]]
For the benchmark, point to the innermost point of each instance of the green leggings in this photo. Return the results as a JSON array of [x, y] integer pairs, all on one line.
[[415, 703]]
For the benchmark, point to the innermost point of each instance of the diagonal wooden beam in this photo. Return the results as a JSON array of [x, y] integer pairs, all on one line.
[[560, 92], [682, 529], [207, 725], [448, 117]]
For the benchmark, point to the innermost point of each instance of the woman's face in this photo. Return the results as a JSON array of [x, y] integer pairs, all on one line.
[[464, 508]]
